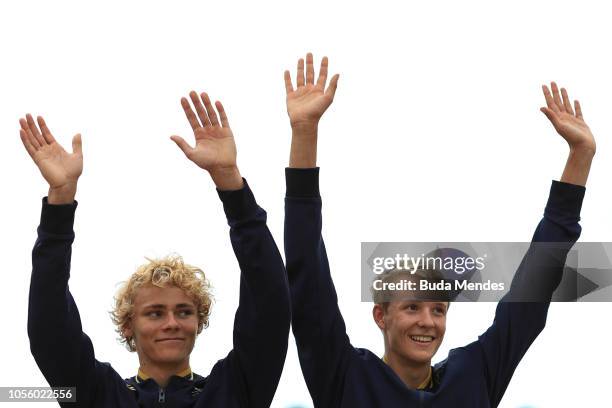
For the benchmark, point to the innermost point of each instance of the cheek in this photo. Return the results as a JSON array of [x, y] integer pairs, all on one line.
[[401, 325], [145, 330], [441, 327], [190, 326], [191, 331], [405, 322]]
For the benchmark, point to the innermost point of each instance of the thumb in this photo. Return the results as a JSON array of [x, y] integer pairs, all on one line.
[[77, 144], [333, 85], [182, 144]]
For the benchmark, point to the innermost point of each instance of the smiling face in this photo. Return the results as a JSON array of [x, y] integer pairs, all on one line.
[[164, 325], [413, 330]]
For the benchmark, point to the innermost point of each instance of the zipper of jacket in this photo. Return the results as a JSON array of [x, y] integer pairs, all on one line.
[[162, 395]]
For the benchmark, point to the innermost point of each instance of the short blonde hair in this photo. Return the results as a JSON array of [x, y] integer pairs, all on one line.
[[164, 272]]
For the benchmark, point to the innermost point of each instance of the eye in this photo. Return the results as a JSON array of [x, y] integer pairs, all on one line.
[[439, 311], [185, 313], [154, 314], [413, 307]]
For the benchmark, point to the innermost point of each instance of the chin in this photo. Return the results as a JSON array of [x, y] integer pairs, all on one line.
[[171, 360], [169, 356], [420, 358]]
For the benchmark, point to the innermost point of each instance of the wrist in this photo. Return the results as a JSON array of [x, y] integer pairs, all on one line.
[[577, 167], [227, 178], [305, 129], [582, 151], [62, 195], [303, 152]]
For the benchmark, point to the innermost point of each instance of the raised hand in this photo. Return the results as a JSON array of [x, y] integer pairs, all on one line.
[[305, 106], [215, 149], [59, 168], [571, 126], [307, 103], [567, 122]]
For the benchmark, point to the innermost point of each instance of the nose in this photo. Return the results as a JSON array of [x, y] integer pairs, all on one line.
[[171, 322], [425, 319]]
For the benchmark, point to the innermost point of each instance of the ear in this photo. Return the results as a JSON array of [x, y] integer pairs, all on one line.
[[378, 314], [127, 330]]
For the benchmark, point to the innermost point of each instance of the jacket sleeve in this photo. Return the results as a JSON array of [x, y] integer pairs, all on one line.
[[261, 324], [521, 314], [62, 351], [320, 334]]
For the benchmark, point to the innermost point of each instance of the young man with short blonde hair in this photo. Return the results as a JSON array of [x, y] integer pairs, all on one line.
[[340, 375]]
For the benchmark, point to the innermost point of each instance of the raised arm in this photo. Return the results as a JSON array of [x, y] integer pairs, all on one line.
[[318, 327], [261, 325], [62, 351], [521, 315]]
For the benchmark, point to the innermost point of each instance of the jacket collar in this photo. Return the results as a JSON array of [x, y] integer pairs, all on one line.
[[187, 374], [427, 383]]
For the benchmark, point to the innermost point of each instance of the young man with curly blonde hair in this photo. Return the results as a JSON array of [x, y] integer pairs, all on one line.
[[166, 303], [167, 272]]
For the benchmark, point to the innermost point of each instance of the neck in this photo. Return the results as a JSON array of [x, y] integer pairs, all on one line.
[[161, 373], [411, 373]]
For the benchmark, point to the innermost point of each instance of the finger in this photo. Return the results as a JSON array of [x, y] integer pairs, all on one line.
[[191, 117], [77, 144], [33, 141], [578, 109], [556, 96], [550, 114], [309, 69], [333, 85], [300, 73], [34, 130], [323, 73], [212, 115], [566, 102], [549, 99], [26, 143], [199, 108], [288, 85], [182, 144], [224, 121], [45, 130], [23, 124]]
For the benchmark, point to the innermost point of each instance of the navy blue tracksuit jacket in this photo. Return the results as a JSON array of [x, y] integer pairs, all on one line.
[[340, 375], [247, 377]]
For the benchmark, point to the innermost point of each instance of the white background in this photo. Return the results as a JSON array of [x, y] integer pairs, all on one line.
[[435, 135]]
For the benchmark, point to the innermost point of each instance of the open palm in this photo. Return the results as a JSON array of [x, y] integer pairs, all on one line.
[[308, 102], [58, 167], [569, 124], [214, 142]]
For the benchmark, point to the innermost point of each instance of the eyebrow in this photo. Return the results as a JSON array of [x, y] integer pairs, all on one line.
[[160, 306]]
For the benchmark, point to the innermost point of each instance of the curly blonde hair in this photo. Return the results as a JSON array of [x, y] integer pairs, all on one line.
[[164, 272]]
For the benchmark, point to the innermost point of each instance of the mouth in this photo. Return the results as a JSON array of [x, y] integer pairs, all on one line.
[[422, 339], [173, 339]]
